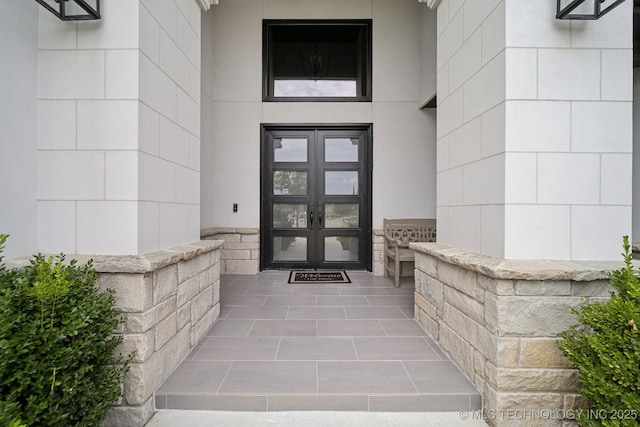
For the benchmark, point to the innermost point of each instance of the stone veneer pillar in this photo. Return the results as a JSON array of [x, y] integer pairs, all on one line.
[[499, 320], [169, 300], [534, 153], [378, 252], [240, 251]]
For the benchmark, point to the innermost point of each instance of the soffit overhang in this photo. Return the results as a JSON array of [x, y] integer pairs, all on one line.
[[206, 4]]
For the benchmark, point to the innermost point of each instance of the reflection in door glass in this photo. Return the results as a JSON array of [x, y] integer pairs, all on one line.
[[293, 183], [287, 215], [341, 248], [312, 88], [341, 215], [289, 248], [341, 182], [341, 149], [290, 149]]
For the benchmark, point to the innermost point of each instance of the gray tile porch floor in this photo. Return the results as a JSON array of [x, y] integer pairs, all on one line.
[[329, 347]]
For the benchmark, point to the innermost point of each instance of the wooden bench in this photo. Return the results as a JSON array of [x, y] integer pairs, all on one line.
[[398, 233]]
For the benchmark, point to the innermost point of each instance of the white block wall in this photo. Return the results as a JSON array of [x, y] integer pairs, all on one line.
[[403, 135], [636, 158], [18, 126], [471, 94], [118, 129], [534, 130], [170, 111]]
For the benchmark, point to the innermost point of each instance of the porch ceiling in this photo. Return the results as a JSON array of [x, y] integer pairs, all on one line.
[[206, 4]]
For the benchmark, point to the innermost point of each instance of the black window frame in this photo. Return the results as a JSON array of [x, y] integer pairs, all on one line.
[[368, 51]]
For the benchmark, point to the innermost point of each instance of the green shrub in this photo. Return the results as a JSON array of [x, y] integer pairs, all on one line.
[[606, 351], [58, 360]]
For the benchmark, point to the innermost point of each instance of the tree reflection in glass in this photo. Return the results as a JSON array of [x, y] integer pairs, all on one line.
[[341, 215], [289, 215], [292, 183]]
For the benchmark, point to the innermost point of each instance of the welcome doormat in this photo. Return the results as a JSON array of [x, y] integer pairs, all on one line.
[[301, 276]]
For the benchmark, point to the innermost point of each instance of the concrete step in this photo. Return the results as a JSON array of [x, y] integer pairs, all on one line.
[[173, 418]]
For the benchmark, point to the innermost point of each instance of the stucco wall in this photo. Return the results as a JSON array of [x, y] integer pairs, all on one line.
[[403, 135], [428, 56], [18, 126]]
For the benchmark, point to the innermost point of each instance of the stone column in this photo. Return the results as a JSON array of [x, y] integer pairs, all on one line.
[[241, 250], [534, 130], [119, 129], [534, 163], [119, 176]]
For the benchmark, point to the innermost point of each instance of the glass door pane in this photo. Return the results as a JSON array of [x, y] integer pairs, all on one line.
[[293, 183], [341, 215], [287, 248], [341, 182], [341, 248], [290, 149], [341, 149], [287, 215]]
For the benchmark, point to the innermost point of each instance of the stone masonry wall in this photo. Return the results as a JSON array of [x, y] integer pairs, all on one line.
[[500, 320], [240, 251], [378, 252], [169, 300]]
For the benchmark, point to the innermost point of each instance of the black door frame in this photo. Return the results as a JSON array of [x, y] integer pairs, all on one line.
[[366, 217]]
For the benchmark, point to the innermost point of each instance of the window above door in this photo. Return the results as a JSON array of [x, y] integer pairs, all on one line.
[[314, 60]]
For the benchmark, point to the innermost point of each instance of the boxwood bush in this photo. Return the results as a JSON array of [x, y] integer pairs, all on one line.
[[58, 360], [605, 348]]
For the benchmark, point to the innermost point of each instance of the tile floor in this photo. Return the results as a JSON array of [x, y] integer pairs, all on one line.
[[309, 347]]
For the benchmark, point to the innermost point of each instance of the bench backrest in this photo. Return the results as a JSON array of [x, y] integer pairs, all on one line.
[[410, 230]]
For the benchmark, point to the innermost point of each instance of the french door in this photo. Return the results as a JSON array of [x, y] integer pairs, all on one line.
[[315, 197]]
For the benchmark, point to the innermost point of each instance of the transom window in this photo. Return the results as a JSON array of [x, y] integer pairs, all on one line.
[[317, 60]]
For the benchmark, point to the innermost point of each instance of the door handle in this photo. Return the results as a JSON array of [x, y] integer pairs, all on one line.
[[320, 215], [311, 218]]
